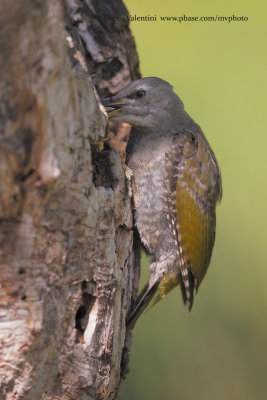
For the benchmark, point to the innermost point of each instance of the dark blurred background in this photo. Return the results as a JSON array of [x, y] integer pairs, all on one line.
[[219, 350]]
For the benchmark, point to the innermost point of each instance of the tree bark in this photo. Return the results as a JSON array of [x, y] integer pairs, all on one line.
[[69, 269]]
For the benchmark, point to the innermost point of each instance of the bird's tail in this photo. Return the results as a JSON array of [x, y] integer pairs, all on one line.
[[141, 303]]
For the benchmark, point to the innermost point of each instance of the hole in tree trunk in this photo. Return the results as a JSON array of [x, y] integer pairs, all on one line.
[[82, 314]]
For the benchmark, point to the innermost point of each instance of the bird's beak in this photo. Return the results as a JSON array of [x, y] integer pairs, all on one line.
[[113, 107]]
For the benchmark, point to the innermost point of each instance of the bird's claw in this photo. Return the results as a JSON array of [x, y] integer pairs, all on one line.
[[129, 180]]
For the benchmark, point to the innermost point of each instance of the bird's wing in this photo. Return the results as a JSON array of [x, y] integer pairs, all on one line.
[[193, 182]]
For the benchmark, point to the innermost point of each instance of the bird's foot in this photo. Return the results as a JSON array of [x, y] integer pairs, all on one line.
[[129, 180]]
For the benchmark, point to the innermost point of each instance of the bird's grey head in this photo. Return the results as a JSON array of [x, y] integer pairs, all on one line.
[[148, 102]]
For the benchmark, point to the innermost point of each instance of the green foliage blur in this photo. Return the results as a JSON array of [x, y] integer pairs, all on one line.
[[219, 350]]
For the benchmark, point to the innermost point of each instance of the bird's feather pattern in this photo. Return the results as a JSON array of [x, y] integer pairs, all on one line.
[[192, 179]]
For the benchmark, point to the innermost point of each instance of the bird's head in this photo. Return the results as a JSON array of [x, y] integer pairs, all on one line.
[[146, 103]]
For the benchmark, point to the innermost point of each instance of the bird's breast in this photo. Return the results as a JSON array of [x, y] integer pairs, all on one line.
[[150, 194]]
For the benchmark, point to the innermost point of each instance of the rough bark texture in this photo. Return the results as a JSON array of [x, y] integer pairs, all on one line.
[[68, 268]]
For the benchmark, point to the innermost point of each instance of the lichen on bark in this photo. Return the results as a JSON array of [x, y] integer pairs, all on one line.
[[68, 268]]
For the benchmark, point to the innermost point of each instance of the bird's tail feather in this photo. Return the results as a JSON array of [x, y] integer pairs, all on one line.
[[141, 304]]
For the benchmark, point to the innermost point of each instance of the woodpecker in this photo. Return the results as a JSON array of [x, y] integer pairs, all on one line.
[[176, 186]]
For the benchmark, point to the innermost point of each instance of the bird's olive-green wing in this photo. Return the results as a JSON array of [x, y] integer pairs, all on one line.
[[194, 186]]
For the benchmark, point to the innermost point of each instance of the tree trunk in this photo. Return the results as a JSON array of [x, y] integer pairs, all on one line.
[[69, 270]]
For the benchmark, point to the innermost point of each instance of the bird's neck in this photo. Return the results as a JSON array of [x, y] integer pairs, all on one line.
[[146, 137], [143, 143]]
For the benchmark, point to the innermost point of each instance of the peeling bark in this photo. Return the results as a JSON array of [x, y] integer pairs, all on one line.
[[69, 271]]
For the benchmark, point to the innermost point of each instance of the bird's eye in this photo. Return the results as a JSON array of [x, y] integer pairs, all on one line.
[[140, 94]]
